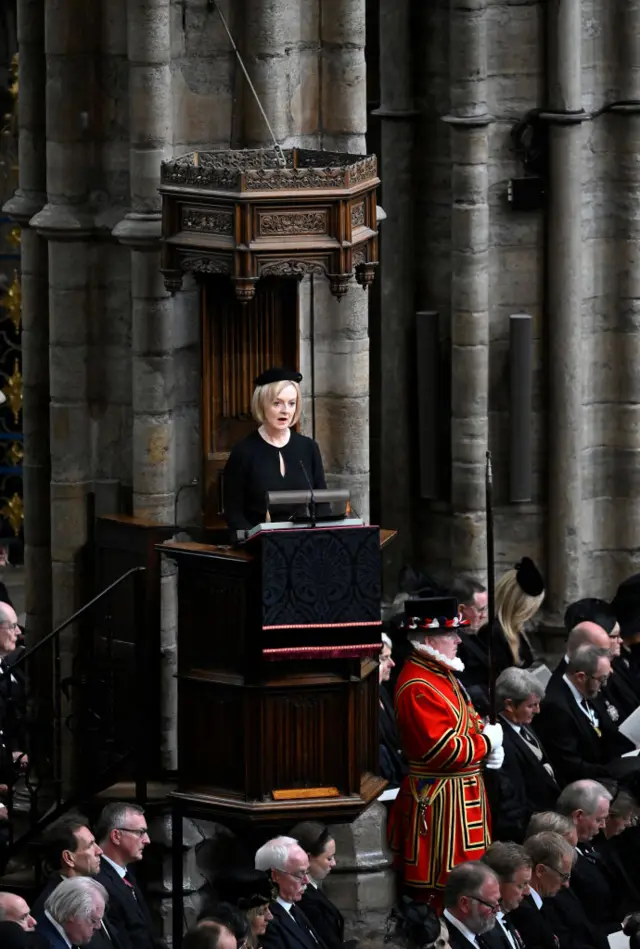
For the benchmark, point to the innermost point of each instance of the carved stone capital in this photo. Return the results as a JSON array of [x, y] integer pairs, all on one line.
[[140, 231]]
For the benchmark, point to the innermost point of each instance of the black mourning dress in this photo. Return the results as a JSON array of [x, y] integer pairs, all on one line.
[[253, 469]]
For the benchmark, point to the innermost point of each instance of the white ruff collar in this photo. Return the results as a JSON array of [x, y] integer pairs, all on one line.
[[456, 664]]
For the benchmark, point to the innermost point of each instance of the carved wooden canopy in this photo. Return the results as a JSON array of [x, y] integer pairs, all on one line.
[[245, 214]]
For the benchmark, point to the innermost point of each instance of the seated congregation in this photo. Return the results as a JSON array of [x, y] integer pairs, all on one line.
[[516, 834]]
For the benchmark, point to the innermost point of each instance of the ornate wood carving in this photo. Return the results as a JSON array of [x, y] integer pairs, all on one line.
[[217, 222], [357, 214], [291, 268], [253, 212], [293, 222], [205, 265]]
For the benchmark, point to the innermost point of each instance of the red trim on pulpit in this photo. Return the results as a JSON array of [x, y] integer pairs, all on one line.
[[322, 652], [324, 625]]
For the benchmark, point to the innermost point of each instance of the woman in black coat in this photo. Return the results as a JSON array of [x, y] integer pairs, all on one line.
[[519, 596], [326, 919]]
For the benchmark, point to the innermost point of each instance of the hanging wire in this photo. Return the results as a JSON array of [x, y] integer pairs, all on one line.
[[282, 161]]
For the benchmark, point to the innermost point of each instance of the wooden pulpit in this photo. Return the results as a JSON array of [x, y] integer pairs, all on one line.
[[278, 642]]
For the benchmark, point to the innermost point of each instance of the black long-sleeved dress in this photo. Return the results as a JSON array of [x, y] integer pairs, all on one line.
[[253, 469]]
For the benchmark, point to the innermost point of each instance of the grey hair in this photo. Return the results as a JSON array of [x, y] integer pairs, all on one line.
[[586, 659], [5, 613], [274, 855], [387, 641], [517, 685], [584, 795], [113, 816], [549, 848], [549, 822], [75, 898], [466, 880]]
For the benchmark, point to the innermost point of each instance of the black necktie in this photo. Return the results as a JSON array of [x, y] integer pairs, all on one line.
[[302, 921]]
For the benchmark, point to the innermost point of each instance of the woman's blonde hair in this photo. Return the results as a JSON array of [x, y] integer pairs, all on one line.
[[263, 395], [514, 608]]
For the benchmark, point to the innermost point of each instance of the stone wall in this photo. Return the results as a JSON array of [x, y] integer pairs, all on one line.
[[585, 397]]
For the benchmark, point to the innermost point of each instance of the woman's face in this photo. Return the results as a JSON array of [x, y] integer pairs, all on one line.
[[260, 920], [280, 411], [386, 664], [524, 712], [322, 865]]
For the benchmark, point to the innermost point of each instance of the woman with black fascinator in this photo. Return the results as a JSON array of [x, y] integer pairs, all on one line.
[[416, 926], [320, 847], [519, 596], [275, 457]]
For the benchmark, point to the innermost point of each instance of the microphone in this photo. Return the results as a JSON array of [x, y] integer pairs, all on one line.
[[312, 502]]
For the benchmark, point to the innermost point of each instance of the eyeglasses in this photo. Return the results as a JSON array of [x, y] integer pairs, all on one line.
[[565, 877], [494, 907], [95, 921], [137, 832], [601, 679], [300, 877], [10, 625]]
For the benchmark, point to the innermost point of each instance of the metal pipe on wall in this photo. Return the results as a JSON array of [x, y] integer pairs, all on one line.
[[520, 406], [564, 304]]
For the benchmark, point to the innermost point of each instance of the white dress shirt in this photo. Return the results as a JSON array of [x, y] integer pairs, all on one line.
[[286, 906], [58, 929], [500, 922], [579, 699], [121, 871], [537, 899], [461, 928]]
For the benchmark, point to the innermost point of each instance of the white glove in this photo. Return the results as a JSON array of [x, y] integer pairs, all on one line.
[[494, 734], [494, 759]]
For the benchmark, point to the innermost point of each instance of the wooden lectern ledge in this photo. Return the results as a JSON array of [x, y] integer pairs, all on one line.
[[240, 553]]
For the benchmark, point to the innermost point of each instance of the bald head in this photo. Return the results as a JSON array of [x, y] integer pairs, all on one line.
[[587, 634], [9, 631], [13, 909]]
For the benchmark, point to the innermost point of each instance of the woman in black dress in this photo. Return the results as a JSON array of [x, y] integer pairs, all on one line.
[[274, 457], [326, 919]]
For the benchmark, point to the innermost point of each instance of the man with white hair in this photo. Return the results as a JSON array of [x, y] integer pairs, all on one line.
[[11, 698], [73, 913], [440, 817], [288, 866]]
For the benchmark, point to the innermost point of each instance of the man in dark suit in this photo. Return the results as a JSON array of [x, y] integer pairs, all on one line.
[[122, 834], [288, 866], [512, 865], [622, 692], [587, 804], [525, 784], [551, 861], [70, 849], [580, 742], [12, 936], [471, 903], [73, 913]]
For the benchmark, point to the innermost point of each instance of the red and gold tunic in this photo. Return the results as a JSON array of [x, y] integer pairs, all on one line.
[[440, 817]]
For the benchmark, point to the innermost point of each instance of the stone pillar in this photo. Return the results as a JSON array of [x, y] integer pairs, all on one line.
[[620, 515], [28, 199], [564, 263], [343, 94], [149, 52], [66, 221], [363, 885], [272, 43], [469, 281], [397, 331]]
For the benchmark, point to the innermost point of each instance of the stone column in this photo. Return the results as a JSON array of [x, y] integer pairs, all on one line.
[[469, 281], [622, 513], [28, 199], [363, 885], [272, 45], [149, 52], [397, 331], [67, 223], [564, 263]]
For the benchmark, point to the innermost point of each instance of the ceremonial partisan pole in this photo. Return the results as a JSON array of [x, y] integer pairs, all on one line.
[[491, 589]]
